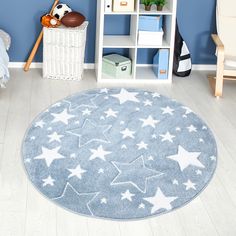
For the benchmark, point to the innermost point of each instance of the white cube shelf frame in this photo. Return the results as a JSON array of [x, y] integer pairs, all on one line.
[[141, 73]]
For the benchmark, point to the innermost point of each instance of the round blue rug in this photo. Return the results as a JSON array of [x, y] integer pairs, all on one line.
[[119, 154]]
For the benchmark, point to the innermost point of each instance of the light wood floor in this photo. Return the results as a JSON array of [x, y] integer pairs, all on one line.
[[23, 211]]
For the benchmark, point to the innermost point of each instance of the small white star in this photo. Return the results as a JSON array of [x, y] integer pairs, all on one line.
[[127, 195], [167, 110], [27, 160], [141, 206], [39, 124], [149, 122], [156, 95], [111, 113], [142, 145], [73, 155], [147, 103], [189, 185], [101, 171], [192, 128], [204, 127], [55, 137], [102, 118], [104, 90], [150, 158], [106, 97], [175, 182], [103, 201], [201, 140], [49, 128], [48, 181], [137, 109], [154, 136], [213, 158], [178, 129], [184, 116], [123, 146], [99, 153], [78, 171], [122, 122], [86, 112], [198, 172], [127, 133], [187, 110], [167, 137], [77, 122], [32, 138]]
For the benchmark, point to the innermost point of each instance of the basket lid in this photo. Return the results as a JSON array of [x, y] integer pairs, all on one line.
[[116, 59]]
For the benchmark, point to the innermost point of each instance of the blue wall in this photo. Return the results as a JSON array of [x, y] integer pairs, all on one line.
[[21, 19]]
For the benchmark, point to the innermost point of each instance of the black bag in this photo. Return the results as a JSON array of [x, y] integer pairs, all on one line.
[[182, 59]]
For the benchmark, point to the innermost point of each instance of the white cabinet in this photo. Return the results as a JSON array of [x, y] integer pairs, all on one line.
[[111, 40]]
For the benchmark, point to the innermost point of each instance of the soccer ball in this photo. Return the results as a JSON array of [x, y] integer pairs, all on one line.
[[61, 10]]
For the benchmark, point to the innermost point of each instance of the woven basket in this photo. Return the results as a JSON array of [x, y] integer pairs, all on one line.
[[63, 52]]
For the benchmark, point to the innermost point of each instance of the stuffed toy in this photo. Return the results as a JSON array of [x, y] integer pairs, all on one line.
[[50, 21]]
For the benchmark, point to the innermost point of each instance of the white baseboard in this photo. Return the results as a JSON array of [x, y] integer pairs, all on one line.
[[90, 66]]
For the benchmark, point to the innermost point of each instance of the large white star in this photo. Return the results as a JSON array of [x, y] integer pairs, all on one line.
[[99, 153], [160, 201], [49, 155], [125, 96], [64, 116], [48, 181], [127, 195], [167, 110], [185, 158], [167, 137], [111, 113], [149, 122], [55, 137], [127, 133], [78, 171]]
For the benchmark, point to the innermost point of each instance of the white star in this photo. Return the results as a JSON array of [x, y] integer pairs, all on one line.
[[103, 201], [64, 116], [184, 116], [86, 112], [156, 95], [73, 155], [150, 158], [137, 109], [49, 155], [106, 97], [187, 110], [55, 137], [99, 153], [178, 129], [125, 96], [102, 118], [185, 158], [77, 122], [167, 137], [104, 90], [32, 138], [123, 146], [149, 122], [213, 158], [192, 128], [189, 185], [27, 160], [204, 127], [49, 128], [127, 195], [154, 136], [110, 112], [201, 140], [198, 172], [160, 201], [78, 171], [122, 122], [48, 181], [142, 145], [39, 124], [101, 171], [127, 133], [175, 182], [141, 206], [167, 110], [147, 103]]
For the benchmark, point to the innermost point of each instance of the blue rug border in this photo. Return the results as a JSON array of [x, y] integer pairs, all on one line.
[[117, 219]]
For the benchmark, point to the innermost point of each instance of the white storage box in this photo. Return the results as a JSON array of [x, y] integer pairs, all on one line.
[[63, 52], [123, 5], [150, 38]]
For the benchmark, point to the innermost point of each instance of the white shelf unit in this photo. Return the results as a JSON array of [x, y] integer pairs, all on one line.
[[141, 73]]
